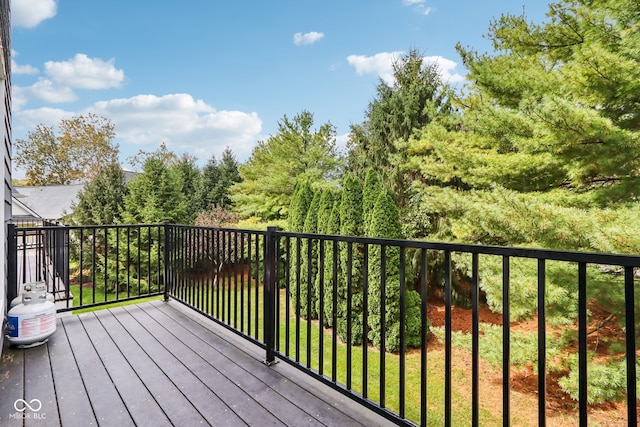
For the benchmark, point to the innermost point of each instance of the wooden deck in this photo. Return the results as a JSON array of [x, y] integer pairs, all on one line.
[[157, 364]]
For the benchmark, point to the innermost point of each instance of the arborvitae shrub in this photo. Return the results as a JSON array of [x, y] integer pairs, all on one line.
[[351, 279], [309, 261], [300, 207], [385, 222], [372, 189], [333, 227], [325, 208]]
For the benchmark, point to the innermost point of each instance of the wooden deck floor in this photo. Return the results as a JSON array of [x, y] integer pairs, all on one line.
[[157, 364]]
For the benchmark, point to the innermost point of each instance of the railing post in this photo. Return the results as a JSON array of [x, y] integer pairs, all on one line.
[[12, 263], [167, 242], [270, 294]]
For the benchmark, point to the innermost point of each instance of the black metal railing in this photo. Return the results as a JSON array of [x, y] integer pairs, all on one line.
[[343, 309], [88, 266], [359, 314]]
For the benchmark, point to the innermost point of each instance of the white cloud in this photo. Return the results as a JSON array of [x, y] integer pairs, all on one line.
[[342, 141], [418, 5], [49, 91], [300, 39], [446, 68], [27, 120], [30, 13], [23, 69], [80, 72], [382, 65], [83, 72], [184, 123]]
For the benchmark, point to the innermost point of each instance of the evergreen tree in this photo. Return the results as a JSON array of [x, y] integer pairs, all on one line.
[[301, 203], [210, 178], [217, 180], [546, 152], [351, 224], [309, 267], [229, 175], [550, 130], [155, 196], [333, 228], [372, 189], [101, 201], [385, 222], [415, 98], [189, 179]]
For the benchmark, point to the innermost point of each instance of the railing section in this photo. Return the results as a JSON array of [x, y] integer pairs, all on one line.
[[423, 333], [89, 266], [379, 320]]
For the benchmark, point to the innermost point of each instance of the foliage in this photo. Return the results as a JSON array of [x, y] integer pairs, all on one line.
[[299, 205], [332, 269], [217, 179], [324, 275], [74, 152], [416, 97], [296, 153], [370, 193], [523, 347], [309, 266], [163, 154], [101, 201], [606, 382], [385, 222], [546, 152], [217, 217], [189, 181], [350, 283]]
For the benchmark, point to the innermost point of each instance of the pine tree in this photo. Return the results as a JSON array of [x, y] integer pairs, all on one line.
[[101, 201]]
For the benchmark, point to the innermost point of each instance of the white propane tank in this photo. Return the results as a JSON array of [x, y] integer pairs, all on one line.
[[36, 288], [32, 322]]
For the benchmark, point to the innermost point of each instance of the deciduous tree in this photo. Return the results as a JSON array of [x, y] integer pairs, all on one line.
[[75, 151], [296, 152]]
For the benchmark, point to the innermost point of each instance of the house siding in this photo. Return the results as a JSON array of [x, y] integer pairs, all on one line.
[[5, 133]]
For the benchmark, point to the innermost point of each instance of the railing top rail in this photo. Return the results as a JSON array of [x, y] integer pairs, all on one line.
[[546, 254], [521, 252], [85, 227]]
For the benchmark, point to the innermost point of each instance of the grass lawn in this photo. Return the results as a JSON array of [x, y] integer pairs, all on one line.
[[232, 306], [91, 296]]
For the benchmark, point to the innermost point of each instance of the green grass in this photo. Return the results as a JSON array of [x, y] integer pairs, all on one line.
[[198, 294], [91, 296]]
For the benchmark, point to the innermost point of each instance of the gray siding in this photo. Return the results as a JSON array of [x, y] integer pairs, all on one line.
[[5, 134]]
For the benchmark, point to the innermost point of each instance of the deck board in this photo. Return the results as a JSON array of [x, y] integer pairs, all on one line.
[[40, 386], [176, 406], [161, 364], [74, 407]]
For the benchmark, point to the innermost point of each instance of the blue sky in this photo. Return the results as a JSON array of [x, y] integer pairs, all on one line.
[[201, 75]]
